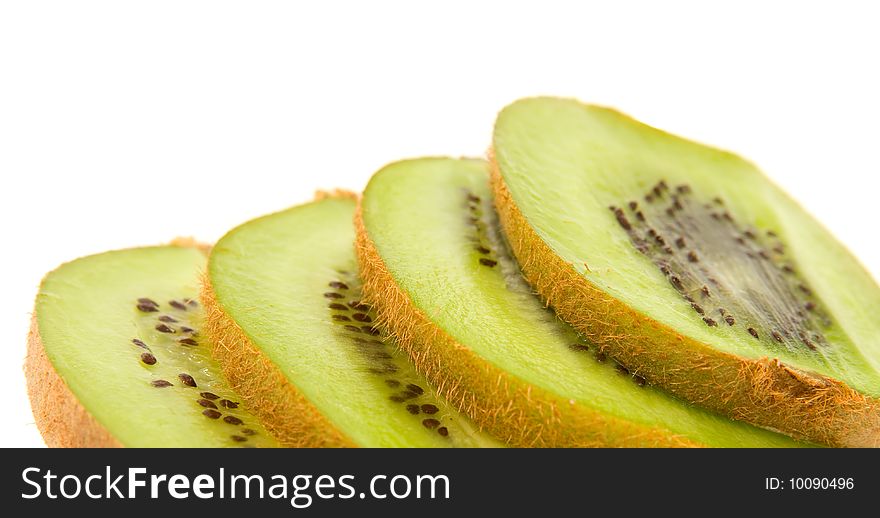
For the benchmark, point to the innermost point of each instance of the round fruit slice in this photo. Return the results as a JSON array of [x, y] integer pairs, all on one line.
[[301, 348], [687, 265], [116, 358], [443, 283]]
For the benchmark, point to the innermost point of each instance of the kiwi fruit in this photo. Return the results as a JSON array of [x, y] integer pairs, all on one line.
[[688, 266], [116, 356], [285, 312], [441, 279]]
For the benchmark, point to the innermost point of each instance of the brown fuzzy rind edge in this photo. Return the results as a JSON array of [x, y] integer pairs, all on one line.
[[266, 391], [61, 419], [764, 392], [504, 406]]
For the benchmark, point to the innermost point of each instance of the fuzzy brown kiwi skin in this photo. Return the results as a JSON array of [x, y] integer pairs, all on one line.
[[62, 420], [501, 404], [764, 392], [266, 391]]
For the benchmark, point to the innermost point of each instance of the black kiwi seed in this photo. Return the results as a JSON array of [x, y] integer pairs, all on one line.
[[162, 328], [146, 308], [430, 423], [205, 403], [483, 250], [392, 383], [187, 380], [633, 205], [621, 218], [209, 395], [753, 332], [184, 329], [430, 409], [408, 394], [238, 438], [187, 341], [578, 347], [412, 387], [230, 419], [341, 318], [361, 317], [333, 295], [697, 308], [777, 336], [680, 242], [705, 291], [412, 409], [338, 285], [167, 318], [692, 257], [488, 262], [730, 320], [810, 306], [248, 431], [139, 343], [443, 431], [600, 357], [371, 330], [228, 404], [147, 301], [177, 305], [340, 307], [710, 322], [192, 303], [385, 368], [161, 383], [211, 413], [148, 358]]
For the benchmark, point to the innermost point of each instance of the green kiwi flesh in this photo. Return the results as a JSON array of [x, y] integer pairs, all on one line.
[[288, 281], [432, 223], [700, 245], [122, 330]]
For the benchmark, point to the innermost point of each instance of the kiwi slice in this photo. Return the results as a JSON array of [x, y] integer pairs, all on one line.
[[687, 265], [116, 357], [284, 308], [442, 281]]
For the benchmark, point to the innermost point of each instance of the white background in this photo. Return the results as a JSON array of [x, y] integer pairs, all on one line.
[[129, 123]]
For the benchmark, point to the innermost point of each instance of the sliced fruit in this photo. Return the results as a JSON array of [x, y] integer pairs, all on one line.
[[443, 283], [294, 338], [687, 265], [116, 358]]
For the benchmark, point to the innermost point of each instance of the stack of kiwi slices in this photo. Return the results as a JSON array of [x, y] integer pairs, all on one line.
[[595, 283]]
